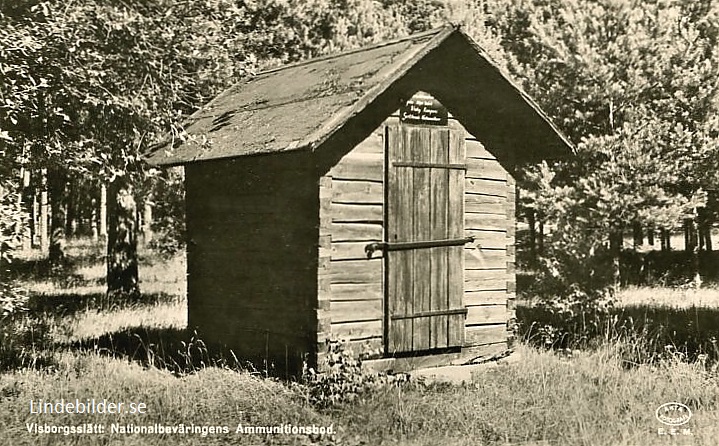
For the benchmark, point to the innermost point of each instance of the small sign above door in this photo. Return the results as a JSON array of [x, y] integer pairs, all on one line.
[[423, 109]]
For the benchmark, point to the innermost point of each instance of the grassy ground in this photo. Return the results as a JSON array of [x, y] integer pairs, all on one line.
[[684, 297], [586, 399], [137, 351]]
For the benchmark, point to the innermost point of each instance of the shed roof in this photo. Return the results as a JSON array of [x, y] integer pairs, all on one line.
[[308, 104]]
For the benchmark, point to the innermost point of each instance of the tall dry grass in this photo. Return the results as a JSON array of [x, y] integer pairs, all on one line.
[[141, 352], [585, 398]]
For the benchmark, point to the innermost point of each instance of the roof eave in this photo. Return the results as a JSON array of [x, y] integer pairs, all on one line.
[[562, 139], [555, 143]]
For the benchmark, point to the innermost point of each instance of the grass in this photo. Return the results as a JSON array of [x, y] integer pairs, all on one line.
[[210, 397], [141, 352], [661, 320], [589, 398], [671, 297], [92, 323]]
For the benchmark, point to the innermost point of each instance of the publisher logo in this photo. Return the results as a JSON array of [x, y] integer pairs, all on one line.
[[673, 414]]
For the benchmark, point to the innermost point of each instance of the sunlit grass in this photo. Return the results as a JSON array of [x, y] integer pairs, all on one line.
[[676, 297], [606, 396], [93, 323]]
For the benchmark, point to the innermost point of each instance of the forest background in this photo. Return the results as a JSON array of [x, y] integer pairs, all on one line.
[[89, 86]]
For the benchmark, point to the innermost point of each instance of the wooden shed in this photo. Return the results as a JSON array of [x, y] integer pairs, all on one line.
[[366, 196]]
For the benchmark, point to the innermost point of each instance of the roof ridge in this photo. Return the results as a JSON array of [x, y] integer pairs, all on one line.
[[429, 33]]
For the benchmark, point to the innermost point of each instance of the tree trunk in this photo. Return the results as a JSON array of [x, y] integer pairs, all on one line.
[[650, 235], [103, 211], [704, 225], [540, 239], [25, 203], [34, 218], [637, 234], [72, 210], [44, 214], [662, 241], [93, 219], [708, 237], [615, 248], [57, 181], [122, 268], [532, 237], [690, 235], [664, 237], [147, 221]]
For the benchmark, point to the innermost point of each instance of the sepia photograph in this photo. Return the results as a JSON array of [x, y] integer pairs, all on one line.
[[359, 222]]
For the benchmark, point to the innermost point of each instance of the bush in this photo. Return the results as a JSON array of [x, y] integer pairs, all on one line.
[[344, 380], [572, 289], [12, 297], [12, 218]]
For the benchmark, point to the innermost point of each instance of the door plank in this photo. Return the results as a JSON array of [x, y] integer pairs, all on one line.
[[405, 222], [421, 230]]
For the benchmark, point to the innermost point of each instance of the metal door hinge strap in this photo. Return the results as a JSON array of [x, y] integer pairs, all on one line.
[[448, 312], [431, 165], [401, 246]]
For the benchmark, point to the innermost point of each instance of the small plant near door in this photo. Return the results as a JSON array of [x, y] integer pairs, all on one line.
[[343, 381]]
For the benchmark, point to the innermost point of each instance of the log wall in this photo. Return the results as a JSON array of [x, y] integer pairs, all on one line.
[[356, 218], [252, 256], [489, 261], [354, 215]]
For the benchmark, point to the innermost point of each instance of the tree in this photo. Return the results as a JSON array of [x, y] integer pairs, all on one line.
[[92, 84], [635, 84]]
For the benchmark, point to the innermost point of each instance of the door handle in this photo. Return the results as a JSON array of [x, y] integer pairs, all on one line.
[[374, 246], [401, 246]]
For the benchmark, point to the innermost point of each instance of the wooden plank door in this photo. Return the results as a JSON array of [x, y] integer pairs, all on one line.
[[424, 245]]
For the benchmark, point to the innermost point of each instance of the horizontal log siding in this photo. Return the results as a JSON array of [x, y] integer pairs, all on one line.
[[356, 213], [252, 264], [511, 257], [488, 217]]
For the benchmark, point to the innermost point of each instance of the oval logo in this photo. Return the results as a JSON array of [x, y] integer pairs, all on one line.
[[673, 414]]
